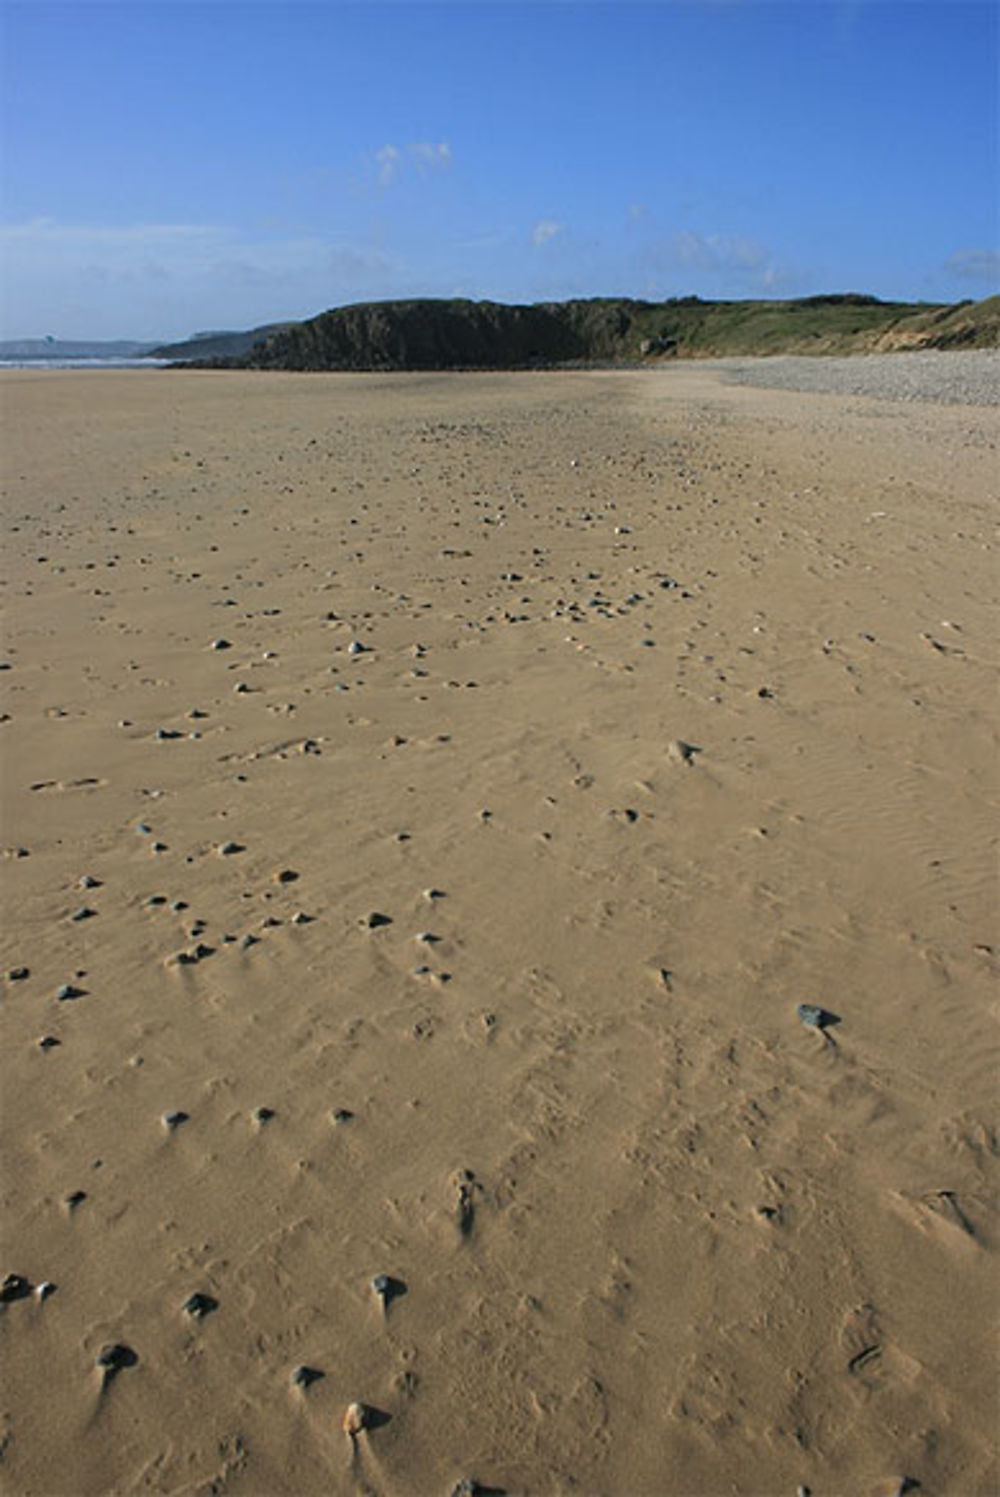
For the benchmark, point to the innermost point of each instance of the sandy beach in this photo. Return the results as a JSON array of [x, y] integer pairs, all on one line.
[[426, 802]]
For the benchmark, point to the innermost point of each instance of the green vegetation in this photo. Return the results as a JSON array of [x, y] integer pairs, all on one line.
[[458, 334]]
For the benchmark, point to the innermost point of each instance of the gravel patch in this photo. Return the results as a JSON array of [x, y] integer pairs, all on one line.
[[970, 377]]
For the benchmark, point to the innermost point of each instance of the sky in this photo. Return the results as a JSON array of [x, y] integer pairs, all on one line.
[[177, 166]]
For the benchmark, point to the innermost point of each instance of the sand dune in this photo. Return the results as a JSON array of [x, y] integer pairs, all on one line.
[[641, 709]]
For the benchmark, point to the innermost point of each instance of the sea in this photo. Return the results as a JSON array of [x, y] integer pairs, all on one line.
[[84, 363]]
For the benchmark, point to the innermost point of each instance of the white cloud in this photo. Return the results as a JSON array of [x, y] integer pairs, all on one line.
[[387, 157], [545, 230], [733, 258], [975, 265], [424, 156]]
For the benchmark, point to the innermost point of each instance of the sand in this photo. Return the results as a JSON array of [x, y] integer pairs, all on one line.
[[643, 708]]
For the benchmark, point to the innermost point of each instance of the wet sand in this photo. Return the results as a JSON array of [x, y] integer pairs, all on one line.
[[641, 709]]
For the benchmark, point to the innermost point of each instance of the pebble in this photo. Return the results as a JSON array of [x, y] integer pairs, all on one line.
[[342, 1115], [44, 1289], [355, 1419], [262, 1114], [111, 1359], [375, 919], [18, 974], [68, 992], [220, 644], [48, 1042], [199, 1305], [381, 1287], [815, 1017], [89, 882], [15, 1286], [303, 1376], [226, 849], [83, 913], [172, 1120], [74, 1199]]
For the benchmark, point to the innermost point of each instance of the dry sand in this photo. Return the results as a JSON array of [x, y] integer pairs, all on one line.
[[649, 1234]]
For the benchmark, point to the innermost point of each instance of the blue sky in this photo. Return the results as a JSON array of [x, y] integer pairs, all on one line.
[[177, 166]]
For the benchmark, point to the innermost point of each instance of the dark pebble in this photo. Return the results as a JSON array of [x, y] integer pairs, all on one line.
[[48, 1042], [375, 919], [15, 1286], [18, 974], [262, 1114], [173, 1120], [68, 992], [303, 1377], [111, 1359], [74, 1199], [199, 1305]]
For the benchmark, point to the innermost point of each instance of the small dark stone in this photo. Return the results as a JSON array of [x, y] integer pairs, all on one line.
[[174, 1119], [18, 974], [83, 913], [262, 1114], [68, 992], [111, 1359], [342, 1115], [375, 919], [286, 876], [304, 1377], [48, 1042], [199, 1305], [227, 849], [220, 644], [154, 900], [248, 941], [89, 882], [74, 1199], [15, 1286]]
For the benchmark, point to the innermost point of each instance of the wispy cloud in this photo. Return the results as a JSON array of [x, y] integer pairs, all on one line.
[[545, 230], [981, 265], [732, 257], [420, 156]]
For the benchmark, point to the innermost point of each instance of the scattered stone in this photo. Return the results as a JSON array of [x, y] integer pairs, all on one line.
[[67, 993], [342, 1115], [301, 918], [220, 644], [164, 735], [18, 974], [74, 1199], [815, 1017], [89, 882], [48, 1042], [679, 752], [381, 1287], [154, 900], [199, 1305], [431, 894], [286, 876], [248, 941], [357, 648], [111, 1359], [83, 913], [227, 849], [375, 919], [44, 1289], [14, 1287], [262, 1114], [172, 1120], [355, 1419], [304, 1377]]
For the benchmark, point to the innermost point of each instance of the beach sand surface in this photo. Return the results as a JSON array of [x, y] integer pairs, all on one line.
[[639, 708]]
